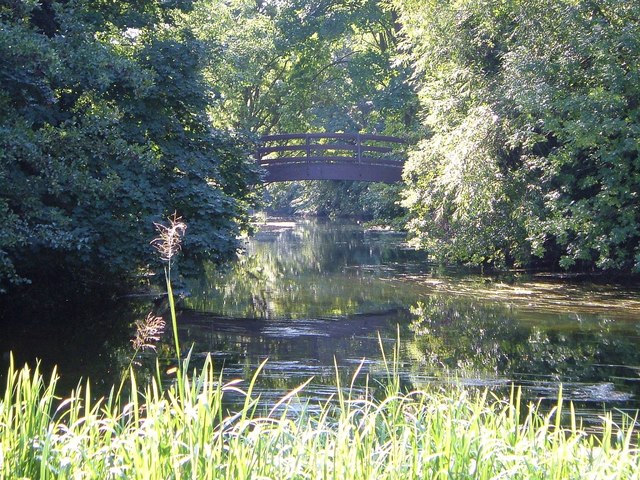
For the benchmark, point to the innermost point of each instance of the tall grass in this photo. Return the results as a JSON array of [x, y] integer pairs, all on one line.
[[185, 433]]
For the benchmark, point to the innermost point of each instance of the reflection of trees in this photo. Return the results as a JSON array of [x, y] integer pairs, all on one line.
[[313, 271], [309, 270], [297, 349], [329, 247], [83, 330], [466, 334], [453, 337]]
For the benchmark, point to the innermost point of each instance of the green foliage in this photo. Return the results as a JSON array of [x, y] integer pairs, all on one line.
[[339, 198], [309, 66], [534, 118], [105, 129], [186, 433], [300, 66]]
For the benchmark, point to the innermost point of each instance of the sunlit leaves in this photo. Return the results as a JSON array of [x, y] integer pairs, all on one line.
[[561, 79], [300, 66]]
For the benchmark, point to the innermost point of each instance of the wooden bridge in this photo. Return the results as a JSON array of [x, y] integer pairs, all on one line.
[[330, 156]]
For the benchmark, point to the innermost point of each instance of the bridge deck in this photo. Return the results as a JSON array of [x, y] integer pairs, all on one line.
[[330, 156]]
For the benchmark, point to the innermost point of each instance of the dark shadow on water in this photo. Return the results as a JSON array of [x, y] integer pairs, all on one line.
[[83, 329]]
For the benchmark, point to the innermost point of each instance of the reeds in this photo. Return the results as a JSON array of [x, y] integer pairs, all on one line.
[[168, 244], [185, 433]]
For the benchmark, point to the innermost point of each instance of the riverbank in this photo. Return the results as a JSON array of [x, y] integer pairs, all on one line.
[[186, 432]]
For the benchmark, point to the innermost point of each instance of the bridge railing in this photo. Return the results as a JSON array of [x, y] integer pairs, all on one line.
[[294, 148]]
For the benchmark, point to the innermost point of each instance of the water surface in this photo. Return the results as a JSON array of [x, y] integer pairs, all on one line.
[[312, 297]]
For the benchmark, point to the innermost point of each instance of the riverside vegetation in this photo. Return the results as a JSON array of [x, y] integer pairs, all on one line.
[[186, 432], [521, 120], [189, 430]]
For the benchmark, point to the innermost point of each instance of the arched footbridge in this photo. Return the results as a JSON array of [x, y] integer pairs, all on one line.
[[331, 156]]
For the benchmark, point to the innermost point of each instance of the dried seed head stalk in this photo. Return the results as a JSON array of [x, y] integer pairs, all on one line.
[[170, 240], [148, 331]]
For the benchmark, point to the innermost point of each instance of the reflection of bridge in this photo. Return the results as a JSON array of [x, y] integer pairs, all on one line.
[[330, 156]]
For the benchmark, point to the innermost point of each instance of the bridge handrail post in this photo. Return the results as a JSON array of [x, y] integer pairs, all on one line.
[[308, 145], [359, 147]]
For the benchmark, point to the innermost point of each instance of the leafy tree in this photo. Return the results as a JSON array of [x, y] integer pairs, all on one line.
[[533, 117], [298, 65], [105, 129], [579, 126], [314, 66]]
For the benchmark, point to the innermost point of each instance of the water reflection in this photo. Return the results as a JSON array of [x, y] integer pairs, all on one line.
[[306, 293], [308, 270], [83, 331], [594, 357]]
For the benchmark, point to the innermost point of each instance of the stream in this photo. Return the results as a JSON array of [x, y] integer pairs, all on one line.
[[320, 298]]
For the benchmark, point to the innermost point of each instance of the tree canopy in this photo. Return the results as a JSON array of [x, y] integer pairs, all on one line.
[[315, 66], [105, 129], [533, 113], [524, 116]]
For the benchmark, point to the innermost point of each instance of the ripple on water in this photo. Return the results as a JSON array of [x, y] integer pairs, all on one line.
[[580, 392]]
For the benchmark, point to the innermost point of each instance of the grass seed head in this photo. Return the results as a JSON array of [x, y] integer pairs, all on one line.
[[169, 241], [148, 331]]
